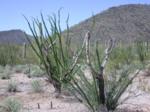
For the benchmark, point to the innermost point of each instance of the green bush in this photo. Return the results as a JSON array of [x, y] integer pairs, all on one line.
[[12, 86], [6, 73], [108, 83], [19, 68], [142, 51], [36, 86], [53, 50], [35, 71], [1, 69], [11, 105], [9, 54]]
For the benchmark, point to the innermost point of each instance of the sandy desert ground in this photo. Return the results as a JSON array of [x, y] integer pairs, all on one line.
[[135, 99], [45, 100]]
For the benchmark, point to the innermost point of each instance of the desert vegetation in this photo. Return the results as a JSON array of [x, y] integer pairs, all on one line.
[[95, 74]]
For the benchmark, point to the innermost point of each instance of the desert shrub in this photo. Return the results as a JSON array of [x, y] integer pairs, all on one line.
[[141, 51], [7, 71], [120, 56], [36, 86], [9, 54], [30, 57], [36, 71], [53, 50], [87, 91], [19, 68], [29, 69], [12, 86], [1, 69], [5, 75], [11, 105], [104, 87], [117, 82]]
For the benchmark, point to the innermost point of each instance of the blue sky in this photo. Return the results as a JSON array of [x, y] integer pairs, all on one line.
[[11, 11]]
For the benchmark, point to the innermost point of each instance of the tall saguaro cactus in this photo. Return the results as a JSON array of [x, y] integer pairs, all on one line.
[[24, 50]]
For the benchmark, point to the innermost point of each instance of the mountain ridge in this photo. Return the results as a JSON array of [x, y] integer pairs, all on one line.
[[125, 23], [14, 36]]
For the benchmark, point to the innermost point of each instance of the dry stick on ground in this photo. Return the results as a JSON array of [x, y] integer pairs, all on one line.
[[51, 105], [38, 105]]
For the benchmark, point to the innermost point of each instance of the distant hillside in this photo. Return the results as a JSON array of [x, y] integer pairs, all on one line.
[[12, 36], [126, 23]]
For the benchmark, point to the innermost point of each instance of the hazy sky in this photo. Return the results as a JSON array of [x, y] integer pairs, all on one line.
[[11, 11]]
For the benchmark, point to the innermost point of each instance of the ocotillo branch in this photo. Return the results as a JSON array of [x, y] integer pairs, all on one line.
[[100, 75]]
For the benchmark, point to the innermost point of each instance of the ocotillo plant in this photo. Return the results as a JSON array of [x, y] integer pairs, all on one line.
[[98, 93], [53, 52]]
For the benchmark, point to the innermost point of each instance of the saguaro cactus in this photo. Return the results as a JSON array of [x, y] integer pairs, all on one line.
[[24, 50]]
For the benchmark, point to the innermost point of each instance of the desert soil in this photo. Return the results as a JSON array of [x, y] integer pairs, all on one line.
[[135, 99], [46, 100], [137, 96]]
